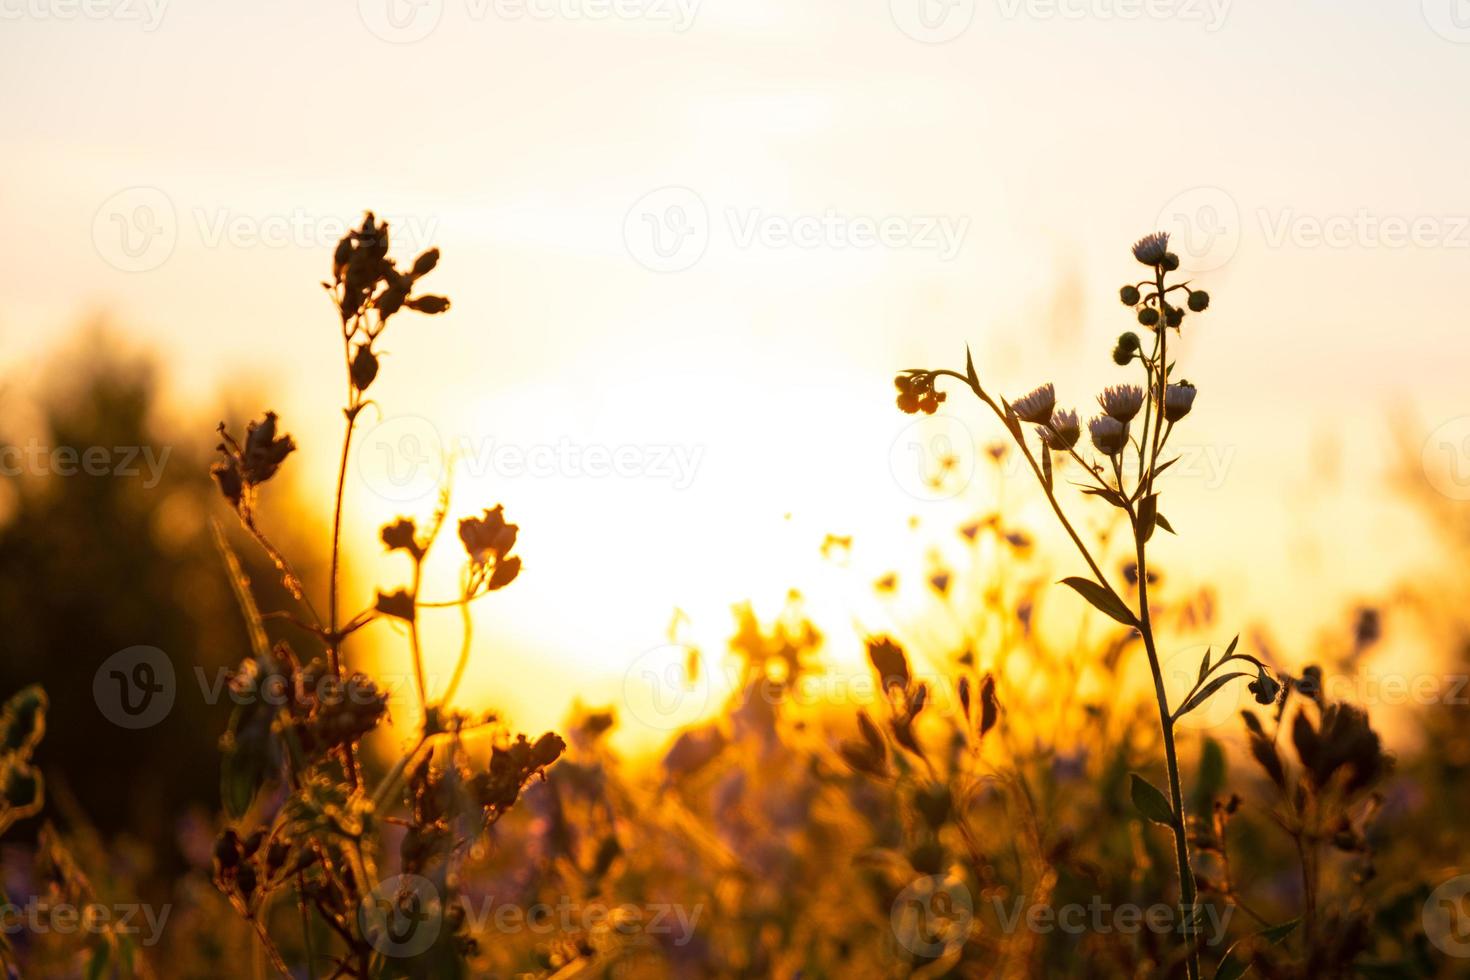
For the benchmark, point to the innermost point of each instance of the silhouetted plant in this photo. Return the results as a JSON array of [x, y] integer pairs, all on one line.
[[1127, 479], [300, 724]]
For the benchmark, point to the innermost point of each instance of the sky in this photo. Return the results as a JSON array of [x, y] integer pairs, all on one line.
[[688, 243]]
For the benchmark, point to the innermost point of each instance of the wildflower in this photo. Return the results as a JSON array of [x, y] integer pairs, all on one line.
[[1199, 300], [399, 605], [916, 393], [1109, 435], [1264, 687], [488, 539], [889, 660], [227, 475], [1344, 742], [1128, 345], [1151, 249], [1178, 400], [1063, 431], [1129, 295], [1036, 406], [264, 452], [1121, 402], [401, 535]]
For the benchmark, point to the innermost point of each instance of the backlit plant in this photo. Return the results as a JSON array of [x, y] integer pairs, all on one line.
[[317, 836], [1130, 437]]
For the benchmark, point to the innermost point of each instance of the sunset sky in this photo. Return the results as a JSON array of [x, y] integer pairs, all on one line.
[[696, 239]]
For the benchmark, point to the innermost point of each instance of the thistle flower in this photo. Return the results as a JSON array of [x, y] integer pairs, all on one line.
[[1151, 249], [1109, 435], [1062, 432], [1178, 400], [1121, 402], [1036, 406]]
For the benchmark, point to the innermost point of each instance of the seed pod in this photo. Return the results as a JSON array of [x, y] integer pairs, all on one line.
[[364, 367], [424, 264], [429, 304]]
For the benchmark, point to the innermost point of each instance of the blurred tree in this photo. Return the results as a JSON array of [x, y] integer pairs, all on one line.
[[92, 563]]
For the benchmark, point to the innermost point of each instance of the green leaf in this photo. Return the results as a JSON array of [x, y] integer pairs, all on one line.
[[1204, 695], [1148, 512], [1236, 964], [1110, 495], [1102, 599], [1149, 801]]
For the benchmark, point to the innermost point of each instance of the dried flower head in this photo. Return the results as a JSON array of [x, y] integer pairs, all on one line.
[[1151, 249], [1178, 400], [916, 393], [1121, 402], [1063, 432], [1108, 434], [1036, 406], [488, 541]]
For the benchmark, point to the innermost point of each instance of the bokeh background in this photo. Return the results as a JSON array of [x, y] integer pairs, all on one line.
[[658, 224]]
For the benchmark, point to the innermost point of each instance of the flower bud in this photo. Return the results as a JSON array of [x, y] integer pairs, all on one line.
[[1171, 262], [1109, 435], [1129, 295], [1174, 316], [429, 304], [424, 264], [1148, 316], [1178, 400], [1199, 300], [364, 367]]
